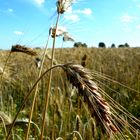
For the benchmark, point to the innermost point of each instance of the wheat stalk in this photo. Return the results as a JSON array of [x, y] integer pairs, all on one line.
[[36, 89], [83, 60], [81, 78], [4, 119], [76, 135], [59, 138], [49, 82], [1, 80], [26, 98], [79, 124]]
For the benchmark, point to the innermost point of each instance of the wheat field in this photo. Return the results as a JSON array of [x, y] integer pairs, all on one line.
[[116, 72], [69, 93]]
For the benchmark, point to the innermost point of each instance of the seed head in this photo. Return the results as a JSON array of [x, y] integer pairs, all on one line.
[[81, 78]]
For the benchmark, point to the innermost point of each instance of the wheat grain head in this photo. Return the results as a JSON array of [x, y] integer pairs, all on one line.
[[23, 49], [63, 5], [81, 78]]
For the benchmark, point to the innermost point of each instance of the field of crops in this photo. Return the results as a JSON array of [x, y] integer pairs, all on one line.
[[76, 106], [76, 93]]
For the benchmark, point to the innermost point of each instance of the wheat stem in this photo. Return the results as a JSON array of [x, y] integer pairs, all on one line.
[[4, 126], [49, 83], [36, 90]]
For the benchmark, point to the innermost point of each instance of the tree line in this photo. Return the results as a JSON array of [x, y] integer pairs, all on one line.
[[101, 45]]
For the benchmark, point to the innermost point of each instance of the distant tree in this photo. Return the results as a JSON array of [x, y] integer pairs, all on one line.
[[113, 46], [77, 44], [101, 45], [121, 46], [126, 45], [80, 44], [84, 45]]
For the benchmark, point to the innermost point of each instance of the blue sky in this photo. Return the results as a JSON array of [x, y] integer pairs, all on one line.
[[91, 21]]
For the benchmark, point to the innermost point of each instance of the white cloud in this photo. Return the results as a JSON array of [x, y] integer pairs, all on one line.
[[127, 18], [72, 17], [18, 33], [39, 2], [86, 11], [10, 10]]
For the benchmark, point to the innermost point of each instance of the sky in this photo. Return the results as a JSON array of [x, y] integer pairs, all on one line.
[[27, 22]]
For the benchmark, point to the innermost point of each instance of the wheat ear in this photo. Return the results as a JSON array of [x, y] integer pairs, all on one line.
[[81, 78], [23, 49]]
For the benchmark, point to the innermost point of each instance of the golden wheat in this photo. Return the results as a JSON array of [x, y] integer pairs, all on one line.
[[82, 79], [23, 49]]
